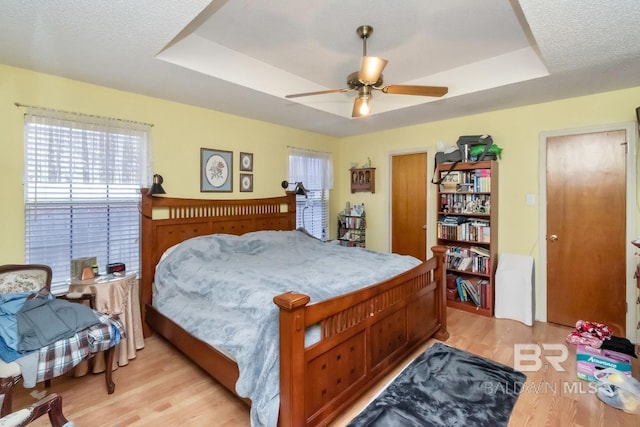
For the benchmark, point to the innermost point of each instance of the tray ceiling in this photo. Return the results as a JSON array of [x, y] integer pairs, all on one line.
[[242, 57]]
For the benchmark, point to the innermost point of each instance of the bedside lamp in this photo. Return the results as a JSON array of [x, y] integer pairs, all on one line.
[[299, 189], [156, 188]]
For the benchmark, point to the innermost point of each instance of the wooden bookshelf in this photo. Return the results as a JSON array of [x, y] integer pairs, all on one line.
[[468, 226]]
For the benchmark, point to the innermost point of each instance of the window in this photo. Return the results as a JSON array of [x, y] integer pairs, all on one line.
[[315, 170], [82, 190]]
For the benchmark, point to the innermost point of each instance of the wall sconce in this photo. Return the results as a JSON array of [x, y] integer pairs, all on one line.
[[156, 188], [299, 189]]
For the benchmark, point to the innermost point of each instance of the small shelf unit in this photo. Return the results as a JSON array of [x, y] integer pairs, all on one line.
[[352, 230]]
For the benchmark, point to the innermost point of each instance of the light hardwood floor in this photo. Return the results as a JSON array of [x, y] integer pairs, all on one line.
[[162, 388]]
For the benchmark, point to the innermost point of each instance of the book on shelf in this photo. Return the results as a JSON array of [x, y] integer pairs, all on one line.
[[480, 222], [461, 292], [453, 219], [351, 222], [485, 293], [482, 180], [473, 204], [465, 263], [480, 251], [468, 231], [480, 229], [473, 291], [474, 259]]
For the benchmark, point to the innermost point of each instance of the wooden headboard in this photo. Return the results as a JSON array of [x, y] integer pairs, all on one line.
[[167, 221]]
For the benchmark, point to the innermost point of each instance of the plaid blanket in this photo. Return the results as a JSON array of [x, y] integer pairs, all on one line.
[[58, 358]]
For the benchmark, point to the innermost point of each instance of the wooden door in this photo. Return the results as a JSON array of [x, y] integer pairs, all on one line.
[[586, 232], [409, 205]]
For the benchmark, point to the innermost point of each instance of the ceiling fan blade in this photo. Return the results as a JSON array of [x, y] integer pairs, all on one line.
[[371, 69], [416, 90], [357, 104], [321, 92]]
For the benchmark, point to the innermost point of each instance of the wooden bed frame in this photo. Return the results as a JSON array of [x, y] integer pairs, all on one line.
[[364, 333]]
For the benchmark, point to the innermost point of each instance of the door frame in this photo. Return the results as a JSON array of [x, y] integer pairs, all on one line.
[[389, 178], [631, 215]]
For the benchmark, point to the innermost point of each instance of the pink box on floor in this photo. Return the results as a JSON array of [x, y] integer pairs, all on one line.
[[590, 360]]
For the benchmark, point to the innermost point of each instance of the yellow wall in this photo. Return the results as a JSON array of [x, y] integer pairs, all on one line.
[[181, 130], [178, 134], [516, 130]]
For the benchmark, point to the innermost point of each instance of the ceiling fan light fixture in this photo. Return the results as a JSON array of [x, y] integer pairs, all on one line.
[[371, 69], [364, 107], [364, 95], [361, 103]]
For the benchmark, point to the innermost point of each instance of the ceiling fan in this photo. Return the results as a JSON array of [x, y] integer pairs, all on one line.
[[369, 78]]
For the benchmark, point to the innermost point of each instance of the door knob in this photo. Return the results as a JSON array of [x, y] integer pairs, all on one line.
[[424, 227], [553, 237]]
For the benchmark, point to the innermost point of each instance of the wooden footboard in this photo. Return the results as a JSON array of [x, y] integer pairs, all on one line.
[[364, 334]]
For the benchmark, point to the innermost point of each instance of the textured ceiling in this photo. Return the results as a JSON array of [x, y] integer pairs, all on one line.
[[243, 57]]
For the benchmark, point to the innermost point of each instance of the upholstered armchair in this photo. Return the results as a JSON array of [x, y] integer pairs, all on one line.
[[50, 405], [24, 278], [32, 278], [19, 278]]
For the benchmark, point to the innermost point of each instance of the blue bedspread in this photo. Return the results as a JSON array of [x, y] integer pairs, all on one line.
[[220, 288]]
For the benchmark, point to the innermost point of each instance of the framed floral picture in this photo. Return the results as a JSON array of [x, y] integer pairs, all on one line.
[[216, 170], [246, 182], [246, 162]]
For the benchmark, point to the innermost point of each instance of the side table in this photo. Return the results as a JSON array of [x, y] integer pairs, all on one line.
[[116, 295]]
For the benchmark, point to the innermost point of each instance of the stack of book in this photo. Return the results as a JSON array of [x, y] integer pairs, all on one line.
[[482, 180], [476, 259], [351, 222], [479, 230], [465, 203], [462, 228], [474, 290], [481, 260]]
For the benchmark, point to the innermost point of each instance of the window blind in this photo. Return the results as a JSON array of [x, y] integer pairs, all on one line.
[[82, 191], [312, 212], [315, 170]]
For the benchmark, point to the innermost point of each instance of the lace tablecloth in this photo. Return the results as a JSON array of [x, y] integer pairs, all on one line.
[[116, 295]]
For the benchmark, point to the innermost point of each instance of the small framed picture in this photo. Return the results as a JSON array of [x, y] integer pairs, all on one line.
[[450, 177], [246, 162], [246, 182], [216, 170]]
